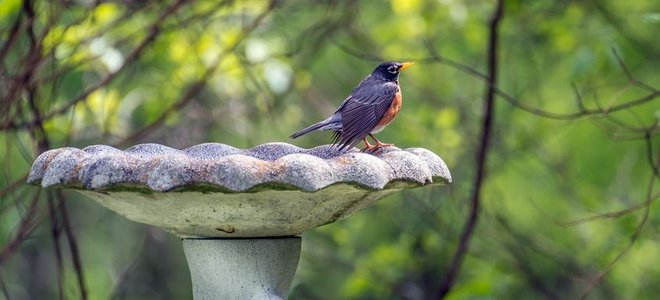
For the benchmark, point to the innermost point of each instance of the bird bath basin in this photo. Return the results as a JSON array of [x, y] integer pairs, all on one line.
[[239, 212]]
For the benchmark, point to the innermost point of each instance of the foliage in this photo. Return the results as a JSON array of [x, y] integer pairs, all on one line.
[[567, 202]]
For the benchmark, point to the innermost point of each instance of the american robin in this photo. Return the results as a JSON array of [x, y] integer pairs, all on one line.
[[370, 107]]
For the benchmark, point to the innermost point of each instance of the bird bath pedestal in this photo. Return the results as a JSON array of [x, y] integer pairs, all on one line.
[[239, 212]]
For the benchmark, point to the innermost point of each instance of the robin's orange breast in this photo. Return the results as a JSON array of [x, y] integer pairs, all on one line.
[[391, 112]]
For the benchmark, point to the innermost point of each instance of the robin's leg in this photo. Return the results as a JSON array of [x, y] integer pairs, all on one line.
[[378, 143], [368, 147]]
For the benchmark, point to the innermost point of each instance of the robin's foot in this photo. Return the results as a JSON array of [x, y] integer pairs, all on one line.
[[368, 147], [378, 143], [374, 148]]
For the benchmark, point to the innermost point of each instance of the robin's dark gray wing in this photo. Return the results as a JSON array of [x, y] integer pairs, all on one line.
[[362, 110]]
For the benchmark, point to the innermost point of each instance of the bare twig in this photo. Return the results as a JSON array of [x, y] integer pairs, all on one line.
[[42, 140], [124, 275], [579, 114], [55, 235], [73, 245], [3, 288], [336, 17], [53, 75], [613, 214], [11, 187], [596, 280], [13, 34], [27, 225], [450, 62], [629, 74], [653, 94], [30, 60], [584, 112], [487, 124], [578, 98], [649, 155], [362, 55], [17, 199], [153, 32], [523, 262], [197, 86]]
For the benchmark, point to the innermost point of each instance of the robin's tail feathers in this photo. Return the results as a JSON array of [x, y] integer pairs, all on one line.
[[327, 124]]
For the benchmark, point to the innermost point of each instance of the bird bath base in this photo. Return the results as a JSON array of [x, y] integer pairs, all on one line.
[[261, 268]]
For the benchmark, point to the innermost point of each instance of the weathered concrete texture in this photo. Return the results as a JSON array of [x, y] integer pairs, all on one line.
[[242, 268], [159, 168], [258, 214], [214, 190]]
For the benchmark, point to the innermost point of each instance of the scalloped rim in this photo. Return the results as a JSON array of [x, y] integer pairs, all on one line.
[[158, 168]]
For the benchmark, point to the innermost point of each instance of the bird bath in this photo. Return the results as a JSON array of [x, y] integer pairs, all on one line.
[[239, 212]]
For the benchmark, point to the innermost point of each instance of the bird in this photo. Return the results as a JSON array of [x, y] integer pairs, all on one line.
[[370, 107]]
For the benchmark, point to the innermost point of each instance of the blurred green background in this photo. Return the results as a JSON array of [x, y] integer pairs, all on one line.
[[568, 206]]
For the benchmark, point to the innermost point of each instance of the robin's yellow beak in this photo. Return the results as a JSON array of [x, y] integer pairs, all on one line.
[[405, 65]]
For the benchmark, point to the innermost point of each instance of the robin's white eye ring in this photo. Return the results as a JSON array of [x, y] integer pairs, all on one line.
[[392, 69]]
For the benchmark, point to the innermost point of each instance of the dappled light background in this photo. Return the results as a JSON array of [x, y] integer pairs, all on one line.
[[567, 202]]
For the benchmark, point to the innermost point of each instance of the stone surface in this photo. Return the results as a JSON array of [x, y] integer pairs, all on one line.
[[215, 190], [242, 268]]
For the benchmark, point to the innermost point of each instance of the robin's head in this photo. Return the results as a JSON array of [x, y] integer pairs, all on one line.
[[390, 70]]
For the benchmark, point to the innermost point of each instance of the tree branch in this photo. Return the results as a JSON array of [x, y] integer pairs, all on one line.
[[13, 34], [27, 225], [487, 124], [73, 245], [55, 231], [518, 103], [197, 86], [153, 32], [596, 280], [3, 288]]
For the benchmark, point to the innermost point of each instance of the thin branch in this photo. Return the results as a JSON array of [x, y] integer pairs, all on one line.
[[649, 155], [125, 274], [579, 114], [13, 34], [578, 98], [314, 36], [616, 22], [450, 62], [631, 128], [73, 245], [626, 71], [153, 32], [55, 235], [39, 135], [613, 214], [110, 25], [11, 187], [53, 75], [27, 225], [362, 55], [520, 104], [654, 93], [516, 247], [30, 60], [197, 86], [594, 282], [487, 123], [3, 288]]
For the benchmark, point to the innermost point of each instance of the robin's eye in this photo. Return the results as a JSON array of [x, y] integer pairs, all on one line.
[[392, 69]]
